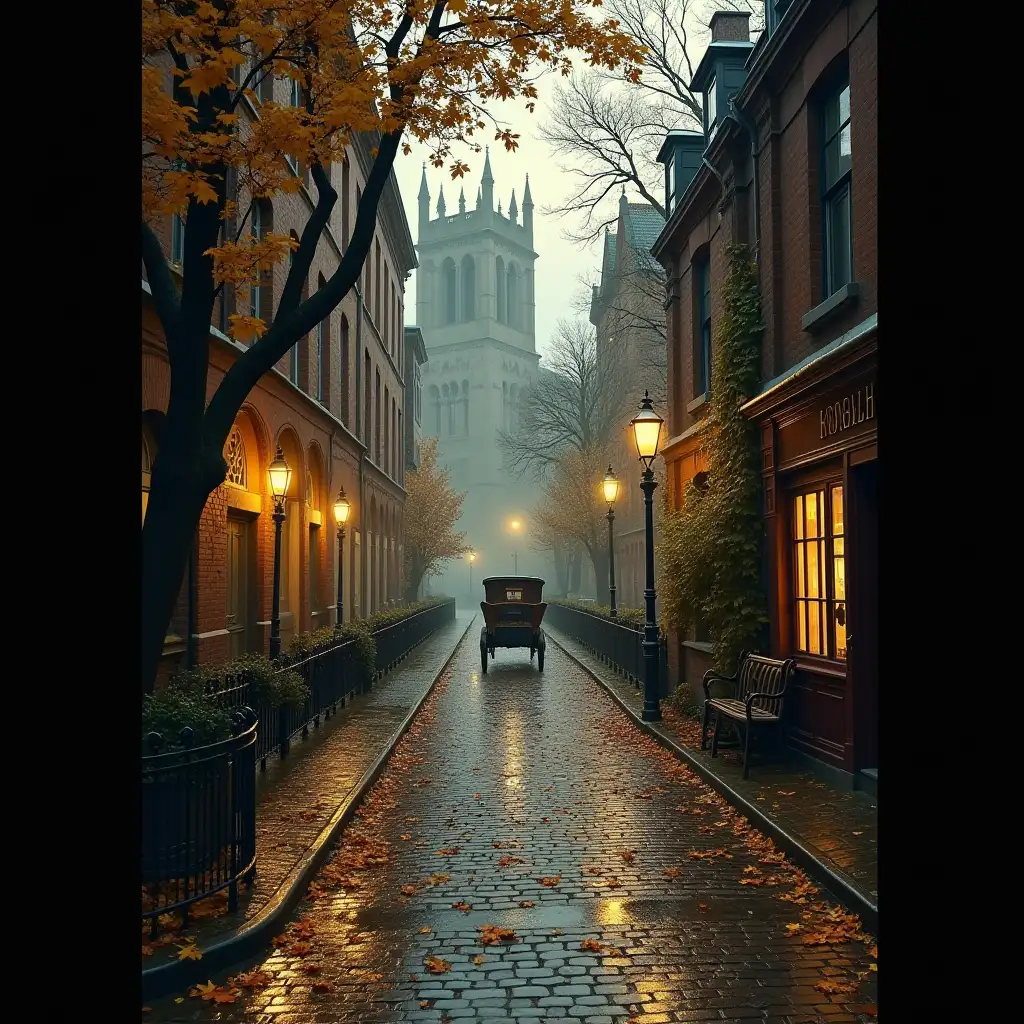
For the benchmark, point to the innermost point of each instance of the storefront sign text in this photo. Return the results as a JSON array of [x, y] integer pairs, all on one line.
[[850, 411]]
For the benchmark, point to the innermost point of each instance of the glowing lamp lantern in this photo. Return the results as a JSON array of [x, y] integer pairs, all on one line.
[[342, 507], [280, 476], [647, 426], [610, 486]]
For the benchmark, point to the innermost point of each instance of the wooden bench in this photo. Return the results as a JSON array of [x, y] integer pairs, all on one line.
[[759, 692]]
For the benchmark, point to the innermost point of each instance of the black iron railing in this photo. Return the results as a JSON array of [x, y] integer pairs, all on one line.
[[198, 819], [616, 644], [395, 641]]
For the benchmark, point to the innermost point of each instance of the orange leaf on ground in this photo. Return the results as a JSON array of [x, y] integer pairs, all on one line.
[[627, 855], [491, 934], [252, 979], [424, 1003], [436, 965], [504, 862], [189, 952], [425, 930], [406, 836], [702, 907], [527, 903], [550, 880], [311, 968], [324, 986], [591, 946], [672, 872], [463, 906]]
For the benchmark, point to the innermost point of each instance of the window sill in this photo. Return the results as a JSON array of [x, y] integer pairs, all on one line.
[[824, 311], [698, 402]]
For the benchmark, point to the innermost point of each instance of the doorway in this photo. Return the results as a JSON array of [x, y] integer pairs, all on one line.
[[239, 575], [862, 638]]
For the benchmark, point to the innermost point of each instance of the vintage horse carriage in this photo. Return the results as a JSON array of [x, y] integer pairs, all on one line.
[[513, 612]]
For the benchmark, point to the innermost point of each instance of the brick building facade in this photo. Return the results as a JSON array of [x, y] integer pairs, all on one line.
[[627, 311], [787, 164], [335, 406]]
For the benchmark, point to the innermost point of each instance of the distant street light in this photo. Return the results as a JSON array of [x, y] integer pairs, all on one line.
[[647, 426], [515, 526], [341, 512], [472, 558], [280, 477], [610, 486]]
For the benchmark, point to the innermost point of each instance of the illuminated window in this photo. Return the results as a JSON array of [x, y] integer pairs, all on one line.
[[234, 455], [819, 582]]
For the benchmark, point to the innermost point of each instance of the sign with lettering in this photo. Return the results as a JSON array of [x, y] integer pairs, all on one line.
[[513, 595], [853, 410], [837, 420]]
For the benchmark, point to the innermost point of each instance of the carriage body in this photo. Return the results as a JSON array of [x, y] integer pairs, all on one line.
[[513, 611]]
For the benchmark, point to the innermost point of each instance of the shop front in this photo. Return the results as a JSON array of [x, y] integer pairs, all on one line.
[[819, 431]]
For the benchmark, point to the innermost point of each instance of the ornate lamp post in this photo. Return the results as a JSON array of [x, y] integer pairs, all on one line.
[[610, 485], [647, 426], [341, 511], [472, 558], [280, 477]]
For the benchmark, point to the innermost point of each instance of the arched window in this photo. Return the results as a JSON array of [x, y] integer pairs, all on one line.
[[512, 296], [387, 430], [446, 403], [343, 371], [464, 424], [499, 270], [468, 288], [262, 289], [234, 456], [323, 333], [367, 398], [434, 397], [448, 290]]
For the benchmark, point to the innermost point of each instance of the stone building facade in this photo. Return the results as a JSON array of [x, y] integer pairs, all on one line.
[[475, 308]]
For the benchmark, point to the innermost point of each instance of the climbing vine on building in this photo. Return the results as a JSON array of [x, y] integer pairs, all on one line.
[[712, 547]]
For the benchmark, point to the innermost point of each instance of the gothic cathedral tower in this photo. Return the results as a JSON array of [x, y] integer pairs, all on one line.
[[475, 306]]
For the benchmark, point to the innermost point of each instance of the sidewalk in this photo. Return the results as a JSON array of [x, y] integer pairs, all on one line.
[[299, 796], [838, 829]]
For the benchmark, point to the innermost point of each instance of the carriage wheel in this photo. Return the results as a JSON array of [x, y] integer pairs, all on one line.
[[540, 660], [483, 658]]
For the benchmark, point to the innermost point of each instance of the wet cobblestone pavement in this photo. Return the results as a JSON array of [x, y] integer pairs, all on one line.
[[528, 802], [841, 828]]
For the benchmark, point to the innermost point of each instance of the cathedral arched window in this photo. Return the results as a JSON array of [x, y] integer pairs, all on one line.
[[434, 397], [504, 406], [448, 291], [468, 288], [499, 268], [512, 296]]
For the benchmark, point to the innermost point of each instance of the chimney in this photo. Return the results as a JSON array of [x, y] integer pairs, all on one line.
[[730, 26]]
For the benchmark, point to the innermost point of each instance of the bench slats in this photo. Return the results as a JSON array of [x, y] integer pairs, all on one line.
[[737, 709]]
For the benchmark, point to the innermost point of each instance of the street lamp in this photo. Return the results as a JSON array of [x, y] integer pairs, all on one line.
[[280, 477], [610, 485], [341, 511], [647, 426], [472, 558], [515, 526]]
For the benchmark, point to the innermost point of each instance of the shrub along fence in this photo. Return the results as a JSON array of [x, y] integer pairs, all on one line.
[[617, 641], [204, 734]]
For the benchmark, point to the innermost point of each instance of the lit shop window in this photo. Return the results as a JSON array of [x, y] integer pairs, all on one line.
[[820, 573]]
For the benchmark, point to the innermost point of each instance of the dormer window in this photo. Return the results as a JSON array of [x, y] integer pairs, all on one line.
[[712, 105], [670, 191]]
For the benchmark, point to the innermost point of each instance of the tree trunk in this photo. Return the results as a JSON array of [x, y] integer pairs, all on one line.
[[575, 571], [178, 494], [599, 560]]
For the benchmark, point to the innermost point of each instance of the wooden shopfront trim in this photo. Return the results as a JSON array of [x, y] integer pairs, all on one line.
[[810, 442]]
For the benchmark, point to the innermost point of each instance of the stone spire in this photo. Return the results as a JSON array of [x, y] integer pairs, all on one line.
[[528, 210], [462, 200], [513, 210], [424, 198], [479, 198], [499, 207], [487, 182], [440, 202]]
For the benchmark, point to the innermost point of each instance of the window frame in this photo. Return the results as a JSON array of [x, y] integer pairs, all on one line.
[[711, 107], [702, 336], [177, 240], [827, 538], [838, 193]]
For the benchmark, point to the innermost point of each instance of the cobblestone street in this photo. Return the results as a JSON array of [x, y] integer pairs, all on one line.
[[527, 801]]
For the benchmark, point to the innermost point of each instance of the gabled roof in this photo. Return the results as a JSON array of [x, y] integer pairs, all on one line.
[[609, 249], [643, 225]]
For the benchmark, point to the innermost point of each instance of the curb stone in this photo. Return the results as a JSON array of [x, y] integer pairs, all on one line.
[[180, 974], [789, 844]]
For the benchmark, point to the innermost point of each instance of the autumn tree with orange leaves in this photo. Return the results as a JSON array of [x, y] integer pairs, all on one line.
[[432, 509], [393, 71]]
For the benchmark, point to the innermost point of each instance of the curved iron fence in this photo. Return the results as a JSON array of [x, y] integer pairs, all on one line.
[[615, 643], [198, 819]]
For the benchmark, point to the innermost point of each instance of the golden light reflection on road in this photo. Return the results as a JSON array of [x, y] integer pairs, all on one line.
[[612, 912]]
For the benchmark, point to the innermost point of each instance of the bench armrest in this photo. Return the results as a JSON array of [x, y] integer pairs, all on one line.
[[714, 677], [787, 672]]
